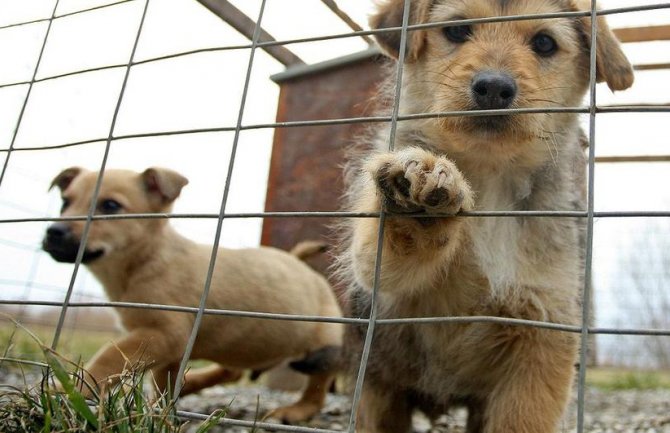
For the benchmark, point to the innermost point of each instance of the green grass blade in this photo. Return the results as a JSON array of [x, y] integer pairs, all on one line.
[[211, 421], [77, 400], [46, 411]]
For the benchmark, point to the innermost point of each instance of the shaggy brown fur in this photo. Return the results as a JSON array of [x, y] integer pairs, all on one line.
[[147, 261], [513, 379]]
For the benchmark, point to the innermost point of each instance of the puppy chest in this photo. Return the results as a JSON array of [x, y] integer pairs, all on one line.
[[495, 249], [495, 241]]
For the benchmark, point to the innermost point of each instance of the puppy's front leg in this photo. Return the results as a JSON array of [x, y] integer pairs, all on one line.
[[141, 347], [164, 378], [415, 249]]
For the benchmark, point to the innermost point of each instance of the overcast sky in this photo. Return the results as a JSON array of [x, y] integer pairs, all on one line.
[[204, 90]]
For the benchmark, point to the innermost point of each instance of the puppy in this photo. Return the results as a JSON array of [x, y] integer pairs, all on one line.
[[147, 261], [512, 378]]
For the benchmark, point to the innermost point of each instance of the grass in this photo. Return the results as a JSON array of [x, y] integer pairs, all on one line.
[[57, 403], [619, 379], [46, 407], [74, 344]]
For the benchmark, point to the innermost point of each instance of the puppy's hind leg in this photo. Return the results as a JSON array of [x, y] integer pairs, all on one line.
[[383, 411], [312, 400], [321, 366], [533, 394], [475, 417]]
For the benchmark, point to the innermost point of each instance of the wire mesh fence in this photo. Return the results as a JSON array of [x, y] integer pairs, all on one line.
[[656, 328]]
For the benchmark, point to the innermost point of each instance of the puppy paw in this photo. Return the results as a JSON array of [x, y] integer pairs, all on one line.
[[414, 180], [295, 413]]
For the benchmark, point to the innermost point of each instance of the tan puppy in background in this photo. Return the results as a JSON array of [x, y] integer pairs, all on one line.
[[512, 378], [147, 261]]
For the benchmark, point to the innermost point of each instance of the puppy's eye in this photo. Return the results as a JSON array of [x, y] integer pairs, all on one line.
[[544, 45], [110, 206], [458, 34], [65, 205]]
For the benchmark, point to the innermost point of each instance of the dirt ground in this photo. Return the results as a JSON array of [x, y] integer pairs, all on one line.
[[606, 411], [621, 411]]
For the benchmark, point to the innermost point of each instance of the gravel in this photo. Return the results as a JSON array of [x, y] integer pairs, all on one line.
[[636, 411], [633, 411], [629, 411]]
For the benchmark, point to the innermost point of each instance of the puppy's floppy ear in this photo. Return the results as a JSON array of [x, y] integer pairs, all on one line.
[[65, 177], [389, 14], [612, 65], [163, 183]]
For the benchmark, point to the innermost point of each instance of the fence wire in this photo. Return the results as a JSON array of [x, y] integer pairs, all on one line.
[[524, 17], [98, 184], [589, 214], [586, 298], [224, 202], [652, 108]]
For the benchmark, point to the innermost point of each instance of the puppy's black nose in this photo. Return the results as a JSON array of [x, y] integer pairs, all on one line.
[[493, 90], [57, 232]]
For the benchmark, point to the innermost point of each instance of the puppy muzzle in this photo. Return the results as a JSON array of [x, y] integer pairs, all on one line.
[[62, 244]]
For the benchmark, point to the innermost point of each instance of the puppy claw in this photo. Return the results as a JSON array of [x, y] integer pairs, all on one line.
[[442, 180]]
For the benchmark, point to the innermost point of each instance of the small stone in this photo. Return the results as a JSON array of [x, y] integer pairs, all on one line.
[[336, 411]]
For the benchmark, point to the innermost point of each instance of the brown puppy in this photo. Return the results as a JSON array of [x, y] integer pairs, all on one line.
[[513, 379], [147, 261]]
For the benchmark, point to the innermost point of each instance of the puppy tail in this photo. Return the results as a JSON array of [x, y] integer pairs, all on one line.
[[306, 249]]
